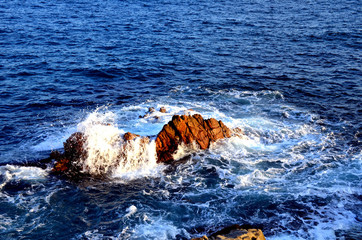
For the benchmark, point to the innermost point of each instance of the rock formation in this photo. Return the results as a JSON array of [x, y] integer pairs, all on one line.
[[130, 136], [235, 232], [187, 129], [151, 112], [182, 129], [163, 110], [73, 151]]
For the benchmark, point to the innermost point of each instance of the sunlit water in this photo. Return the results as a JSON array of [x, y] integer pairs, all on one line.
[[287, 73]]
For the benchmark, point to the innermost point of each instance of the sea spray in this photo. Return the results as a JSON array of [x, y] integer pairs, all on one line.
[[138, 157], [184, 150], [102, 143], [108, 153]]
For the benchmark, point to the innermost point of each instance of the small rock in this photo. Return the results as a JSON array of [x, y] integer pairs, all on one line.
[[61, 165], [235, 232], [201, 238], [238, 132], [130, 136], [163, 110]]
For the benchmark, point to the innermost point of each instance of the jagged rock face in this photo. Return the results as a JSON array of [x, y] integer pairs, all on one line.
[[186, 129], [74, 146], [73, 151], [235, 232], [70, 163]]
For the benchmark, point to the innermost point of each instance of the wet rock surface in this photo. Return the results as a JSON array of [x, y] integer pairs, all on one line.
[[187, 129], [74, 150], [130, 136], [182, 129], [235, 232]]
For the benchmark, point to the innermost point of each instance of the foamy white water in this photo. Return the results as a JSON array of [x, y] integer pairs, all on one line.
[[285, 174], [109, 154]]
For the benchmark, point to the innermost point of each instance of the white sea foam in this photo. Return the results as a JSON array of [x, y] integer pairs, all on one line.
[[103, 143], [11, 172], [285, 237], [286, 155], [131, 210], [94, 235], [109, 154], [157, 229], [185, 150], [138, 160]]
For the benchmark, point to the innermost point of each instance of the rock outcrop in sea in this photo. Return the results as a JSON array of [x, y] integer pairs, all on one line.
[[182, 130], [235, 232]]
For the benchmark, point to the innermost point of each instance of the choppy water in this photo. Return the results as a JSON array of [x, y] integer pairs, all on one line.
[[287, 72]]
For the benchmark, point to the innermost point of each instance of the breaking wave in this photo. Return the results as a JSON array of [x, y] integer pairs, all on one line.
[[109, 154]]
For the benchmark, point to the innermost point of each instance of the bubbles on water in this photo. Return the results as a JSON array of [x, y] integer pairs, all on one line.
[[23, 203], [158, 229], [289, 173], [16, 173], [131, 210]]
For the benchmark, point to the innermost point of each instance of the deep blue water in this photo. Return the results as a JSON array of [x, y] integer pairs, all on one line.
[[287, 72]]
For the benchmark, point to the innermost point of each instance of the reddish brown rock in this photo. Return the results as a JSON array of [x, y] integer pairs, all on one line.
[[235, 232], [186, 129], [130, 136], [62, 165], [73, 151], [74, 146], [163, 110]]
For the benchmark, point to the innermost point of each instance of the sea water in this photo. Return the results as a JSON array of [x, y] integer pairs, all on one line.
[[288, 73]]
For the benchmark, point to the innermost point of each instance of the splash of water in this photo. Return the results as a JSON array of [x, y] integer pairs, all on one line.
[[138, 159], [108, 153]]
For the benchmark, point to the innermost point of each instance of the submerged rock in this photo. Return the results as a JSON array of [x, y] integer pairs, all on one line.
[[152, 111], [235, 232], [187, 129]]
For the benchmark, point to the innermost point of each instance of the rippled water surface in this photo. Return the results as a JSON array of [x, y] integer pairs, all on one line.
[[286, 72]]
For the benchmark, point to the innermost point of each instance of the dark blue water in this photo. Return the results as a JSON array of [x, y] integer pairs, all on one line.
[[287, 72]]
